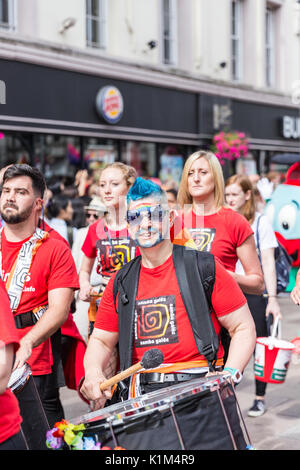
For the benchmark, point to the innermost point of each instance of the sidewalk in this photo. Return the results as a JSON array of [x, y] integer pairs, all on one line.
[[279, 427]]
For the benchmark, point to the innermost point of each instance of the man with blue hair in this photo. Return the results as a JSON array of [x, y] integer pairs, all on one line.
[[149, 305]]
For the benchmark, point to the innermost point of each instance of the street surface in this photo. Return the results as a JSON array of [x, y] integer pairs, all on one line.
[[279, 427]]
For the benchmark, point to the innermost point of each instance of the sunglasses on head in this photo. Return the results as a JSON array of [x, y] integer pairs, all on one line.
[[154, 213]]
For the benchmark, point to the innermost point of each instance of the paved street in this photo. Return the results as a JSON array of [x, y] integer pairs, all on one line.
[[279, 428]]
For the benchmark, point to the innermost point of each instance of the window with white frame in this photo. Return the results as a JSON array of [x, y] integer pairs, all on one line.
[[169, 31], [96, 23], [7, 14], [270, 47], [236, 39]]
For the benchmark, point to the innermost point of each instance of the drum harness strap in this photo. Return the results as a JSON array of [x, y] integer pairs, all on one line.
[[17, 277], [195, 272]]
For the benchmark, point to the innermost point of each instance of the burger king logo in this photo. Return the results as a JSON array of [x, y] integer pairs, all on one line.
[[109, 104]]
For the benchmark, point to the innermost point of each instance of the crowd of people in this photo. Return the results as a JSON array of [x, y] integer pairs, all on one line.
[[85, 263]]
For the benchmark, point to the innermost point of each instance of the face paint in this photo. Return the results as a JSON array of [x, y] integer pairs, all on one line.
[[144, 243], [149, 233]]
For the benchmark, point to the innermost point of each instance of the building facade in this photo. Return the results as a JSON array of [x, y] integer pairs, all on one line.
[[86, 82]]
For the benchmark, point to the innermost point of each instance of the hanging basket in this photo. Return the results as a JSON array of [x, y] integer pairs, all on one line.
[[230, 146]]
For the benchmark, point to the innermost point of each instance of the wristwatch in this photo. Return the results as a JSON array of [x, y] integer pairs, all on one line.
[[236, 374]]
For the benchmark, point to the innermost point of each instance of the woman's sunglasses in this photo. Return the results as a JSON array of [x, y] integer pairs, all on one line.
[[153, 213], [88, 215]]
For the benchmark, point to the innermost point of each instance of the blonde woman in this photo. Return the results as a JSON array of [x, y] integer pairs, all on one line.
[[240, 197], [214, 227], [108, 239]]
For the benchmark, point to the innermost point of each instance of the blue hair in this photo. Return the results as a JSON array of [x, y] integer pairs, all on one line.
[[143, 188]]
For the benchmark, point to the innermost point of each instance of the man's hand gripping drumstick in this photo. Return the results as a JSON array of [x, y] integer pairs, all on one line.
[[101, 391]]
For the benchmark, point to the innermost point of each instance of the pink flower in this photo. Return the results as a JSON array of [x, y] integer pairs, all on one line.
[[229, 145]]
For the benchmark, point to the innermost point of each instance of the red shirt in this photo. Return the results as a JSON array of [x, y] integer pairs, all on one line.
[[97, 244], [10, 418], [52, 233], [161, 319], [220, 233], [52, 267]]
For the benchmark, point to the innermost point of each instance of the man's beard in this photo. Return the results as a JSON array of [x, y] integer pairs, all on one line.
[[149, 243], [16, 217]]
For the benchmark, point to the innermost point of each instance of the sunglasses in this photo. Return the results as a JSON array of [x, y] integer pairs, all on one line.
[[154, 213], [88, 216]]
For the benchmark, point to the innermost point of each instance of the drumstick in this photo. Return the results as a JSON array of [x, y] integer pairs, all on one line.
[[151, 359]]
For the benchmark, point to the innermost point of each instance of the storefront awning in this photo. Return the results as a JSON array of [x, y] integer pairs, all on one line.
[[286, 158]]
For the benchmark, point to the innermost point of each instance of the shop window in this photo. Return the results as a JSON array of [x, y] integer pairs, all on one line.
[[171, 161], [7, 14], [140, 155], [169, 32], [96, 23], [64, 156], [58, 157], [64, 159], [247, 165], [99, 152], [236, 39], [14, 148]]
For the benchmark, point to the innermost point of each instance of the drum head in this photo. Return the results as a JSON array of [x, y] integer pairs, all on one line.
[[19, 377]]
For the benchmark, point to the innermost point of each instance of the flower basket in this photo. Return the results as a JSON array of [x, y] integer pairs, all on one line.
[[230, 145]]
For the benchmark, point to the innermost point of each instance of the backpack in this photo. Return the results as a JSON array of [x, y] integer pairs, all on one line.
[[195, 272], [283, 263]]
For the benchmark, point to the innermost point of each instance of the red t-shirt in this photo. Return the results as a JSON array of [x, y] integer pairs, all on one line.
[[52, 267], [220, 233], [97, 245], [160, 317], [10, 418], [52, 233]]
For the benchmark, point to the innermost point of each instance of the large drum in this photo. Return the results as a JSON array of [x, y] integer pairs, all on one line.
[[200, 414], [34, 424]]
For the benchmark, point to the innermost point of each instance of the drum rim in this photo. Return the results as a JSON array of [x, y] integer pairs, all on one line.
[[140, 406]]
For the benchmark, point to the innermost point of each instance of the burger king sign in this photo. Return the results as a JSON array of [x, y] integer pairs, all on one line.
[[109, 104]]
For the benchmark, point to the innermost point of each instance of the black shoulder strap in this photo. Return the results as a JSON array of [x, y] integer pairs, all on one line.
[[126, 285], [206, 267], [193, 270], [257, 235], [70, 235], [121, 275]]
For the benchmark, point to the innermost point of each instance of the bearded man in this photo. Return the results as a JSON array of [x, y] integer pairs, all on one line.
[[40, 277]]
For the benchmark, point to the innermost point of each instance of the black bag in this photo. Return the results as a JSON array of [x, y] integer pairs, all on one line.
[[283, 263]]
